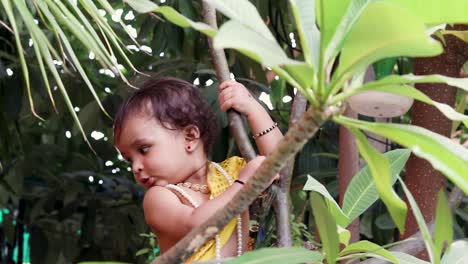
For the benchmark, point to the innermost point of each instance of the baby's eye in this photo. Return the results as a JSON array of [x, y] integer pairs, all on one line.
[[144, 149]]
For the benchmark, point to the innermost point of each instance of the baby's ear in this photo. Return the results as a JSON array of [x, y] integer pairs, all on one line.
[[191, 133]]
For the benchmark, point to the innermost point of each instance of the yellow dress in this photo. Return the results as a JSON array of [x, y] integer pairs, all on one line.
[[218, 184]]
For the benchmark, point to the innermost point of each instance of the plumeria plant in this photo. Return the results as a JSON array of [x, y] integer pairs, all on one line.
[[339, 40]]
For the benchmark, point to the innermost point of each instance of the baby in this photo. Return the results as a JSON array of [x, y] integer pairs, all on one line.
[[165, 130]]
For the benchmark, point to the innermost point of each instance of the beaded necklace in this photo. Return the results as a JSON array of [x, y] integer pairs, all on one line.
[[195, 205]]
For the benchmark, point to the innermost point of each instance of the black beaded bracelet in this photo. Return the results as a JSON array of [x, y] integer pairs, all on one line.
[[265, 131], [239, 181]]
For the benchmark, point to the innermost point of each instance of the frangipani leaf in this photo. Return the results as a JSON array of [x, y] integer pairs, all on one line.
[[368, 247], [443, 228], [384, 30], [362, 193], [414, 93], [461, 83], [245, 13], [309, 35], [435, 12], [445, 155], [329, 15], [278, 256], [457, 253], [404, 258], [146, 6], [236, 35], [326, 226], [426, 235], [315, 186], [349, 19], [380, 171]]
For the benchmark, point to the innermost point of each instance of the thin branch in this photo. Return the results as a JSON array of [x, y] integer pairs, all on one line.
[[415, 243], [293, 141], [282, 202], [222, 72]]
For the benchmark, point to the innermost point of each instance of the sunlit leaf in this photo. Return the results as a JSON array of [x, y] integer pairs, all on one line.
[[146, 6], [368, 247], [384, 30], [278, 256], [443, 229], [426, 235], [444, 155], [361, 192], [315, 186], [326, 226], [435, 12], [380, 171]]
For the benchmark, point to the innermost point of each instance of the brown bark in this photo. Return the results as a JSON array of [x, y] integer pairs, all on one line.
[[348, 166], [293, 141], [222, 72], [421, 178]]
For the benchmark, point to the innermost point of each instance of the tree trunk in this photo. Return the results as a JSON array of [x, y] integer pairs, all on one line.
[[348, 166], [421, 178]]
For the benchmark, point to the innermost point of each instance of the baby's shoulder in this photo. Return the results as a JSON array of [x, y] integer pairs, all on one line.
[[158, 196]]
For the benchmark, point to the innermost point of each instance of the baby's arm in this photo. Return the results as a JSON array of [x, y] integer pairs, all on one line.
[[234, 95], [168, 217]]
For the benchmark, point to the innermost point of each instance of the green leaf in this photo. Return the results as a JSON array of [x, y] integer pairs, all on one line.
[[384, 68], [362, 193], [233, 34], [146, 6], [426, 235], [334, 209], [278, 256], [404, 258], [436, 12], [384, 30], [414, 93], [443, 230], [369, 247], [329, 15], [460, 107], [326, 226], [303, 73], [380, 172], [19, 46], [445, 155], [245, 13], [309, 35], [457, 253], [344, 235], [345, 26]]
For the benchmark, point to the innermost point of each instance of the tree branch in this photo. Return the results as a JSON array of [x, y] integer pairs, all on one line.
[[222, 72], [293, 141], [415, 243], [282, 201]]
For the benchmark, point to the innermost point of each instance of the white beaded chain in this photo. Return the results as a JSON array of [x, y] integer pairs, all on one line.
[[195, 205], [184, 194], [239, 218]]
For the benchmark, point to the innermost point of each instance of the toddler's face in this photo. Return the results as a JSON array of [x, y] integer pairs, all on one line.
[[157, 154]]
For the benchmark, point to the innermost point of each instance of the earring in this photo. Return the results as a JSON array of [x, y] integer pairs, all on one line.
[[188, 147]]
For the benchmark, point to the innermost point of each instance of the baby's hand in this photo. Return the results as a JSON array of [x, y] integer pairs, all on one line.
[[234, 95]]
